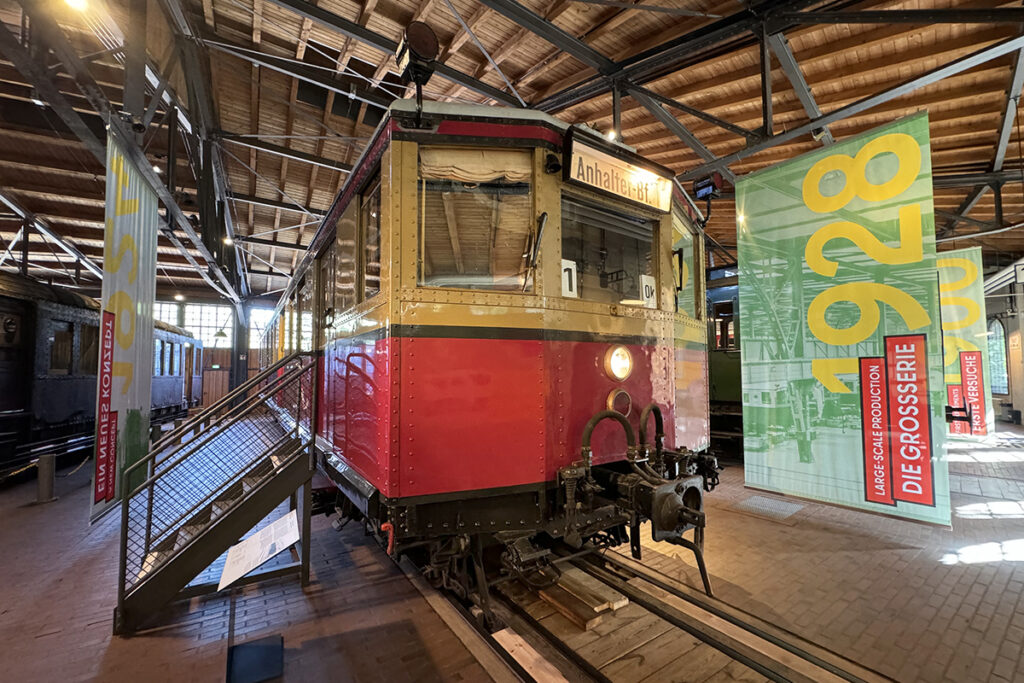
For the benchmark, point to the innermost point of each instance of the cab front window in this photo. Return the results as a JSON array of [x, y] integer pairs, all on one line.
[[475, 217], [611, 253]]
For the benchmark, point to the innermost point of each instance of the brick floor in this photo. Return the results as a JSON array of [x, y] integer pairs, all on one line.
[[913, 601], [360, 620]]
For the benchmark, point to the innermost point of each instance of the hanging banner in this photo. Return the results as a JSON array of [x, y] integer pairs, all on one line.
[[126, 329], [843, 392], [965, 339]]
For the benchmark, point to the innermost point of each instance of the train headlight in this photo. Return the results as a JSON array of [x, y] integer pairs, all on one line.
[[618, 363]]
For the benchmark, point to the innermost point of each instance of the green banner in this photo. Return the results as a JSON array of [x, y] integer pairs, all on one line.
[[843, 393], [965, 341]]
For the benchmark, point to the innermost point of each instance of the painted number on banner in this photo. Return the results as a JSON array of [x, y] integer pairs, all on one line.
[[121, 303], [868, 297]]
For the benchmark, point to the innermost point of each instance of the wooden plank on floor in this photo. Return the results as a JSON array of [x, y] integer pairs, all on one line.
[[528, 658], [631, 635], [737, 672], [697, 666], [571, 607], [591, 591], [669, 647]]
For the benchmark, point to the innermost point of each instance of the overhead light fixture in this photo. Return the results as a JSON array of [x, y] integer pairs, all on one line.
[[157, 169], [611, 135], [179, 297], [78, 5], [220, 334], [228, 240]]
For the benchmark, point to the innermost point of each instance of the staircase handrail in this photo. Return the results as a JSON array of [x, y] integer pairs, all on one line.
[[188, 425], [246, 407]]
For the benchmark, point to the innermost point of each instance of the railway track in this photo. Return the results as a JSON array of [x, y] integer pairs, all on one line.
[[669, 632]]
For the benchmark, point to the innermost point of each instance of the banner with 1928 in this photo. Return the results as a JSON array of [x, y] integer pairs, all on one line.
[[965, 341], [842, 357], [126, 328]]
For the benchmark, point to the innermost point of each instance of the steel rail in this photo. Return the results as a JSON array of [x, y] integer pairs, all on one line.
[[563, 649], [654, 606], [705, 604]]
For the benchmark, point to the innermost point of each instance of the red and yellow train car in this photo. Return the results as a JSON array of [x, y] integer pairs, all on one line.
[[497, 298]]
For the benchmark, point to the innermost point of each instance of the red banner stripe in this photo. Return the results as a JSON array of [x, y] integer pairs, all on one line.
[[906, 366]]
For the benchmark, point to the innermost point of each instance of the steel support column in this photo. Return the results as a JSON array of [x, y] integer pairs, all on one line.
[[240, 345], [766, 83], [26, 233]]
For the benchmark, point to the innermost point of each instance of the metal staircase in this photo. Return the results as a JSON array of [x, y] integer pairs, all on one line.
[[211, 480]]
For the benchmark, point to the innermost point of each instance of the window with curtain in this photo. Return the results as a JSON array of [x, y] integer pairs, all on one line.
[[475, 217], [612, 251], [997, 370]]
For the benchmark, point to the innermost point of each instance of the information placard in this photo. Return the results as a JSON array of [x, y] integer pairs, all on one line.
[[843, 392]]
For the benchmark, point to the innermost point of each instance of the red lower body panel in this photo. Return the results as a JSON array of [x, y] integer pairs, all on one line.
[[426, 415]]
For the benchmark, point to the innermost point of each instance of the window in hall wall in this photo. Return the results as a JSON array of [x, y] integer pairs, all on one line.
[[204, 321], [166, 311], [475, 217], [999, 378], [259, 318], [60, 347]]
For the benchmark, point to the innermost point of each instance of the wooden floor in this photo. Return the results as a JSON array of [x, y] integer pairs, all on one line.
[[632, 645], [360, 620]]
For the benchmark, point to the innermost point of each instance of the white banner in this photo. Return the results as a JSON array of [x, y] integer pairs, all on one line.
[[126, 330]]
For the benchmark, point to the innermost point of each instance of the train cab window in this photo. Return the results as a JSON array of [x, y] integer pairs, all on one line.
[[369, 220], [612, 252], [158, 354], [475, 217], [88, 350], [175, 359], [685, 267], [60, 348]]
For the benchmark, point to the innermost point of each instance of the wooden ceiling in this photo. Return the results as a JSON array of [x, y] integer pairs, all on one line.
[[264, 54]]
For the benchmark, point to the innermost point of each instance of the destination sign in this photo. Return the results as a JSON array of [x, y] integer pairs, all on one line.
[[595, 168]]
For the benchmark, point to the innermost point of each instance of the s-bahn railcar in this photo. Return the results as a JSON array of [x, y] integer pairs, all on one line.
[[49, 352], [508, 318]]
